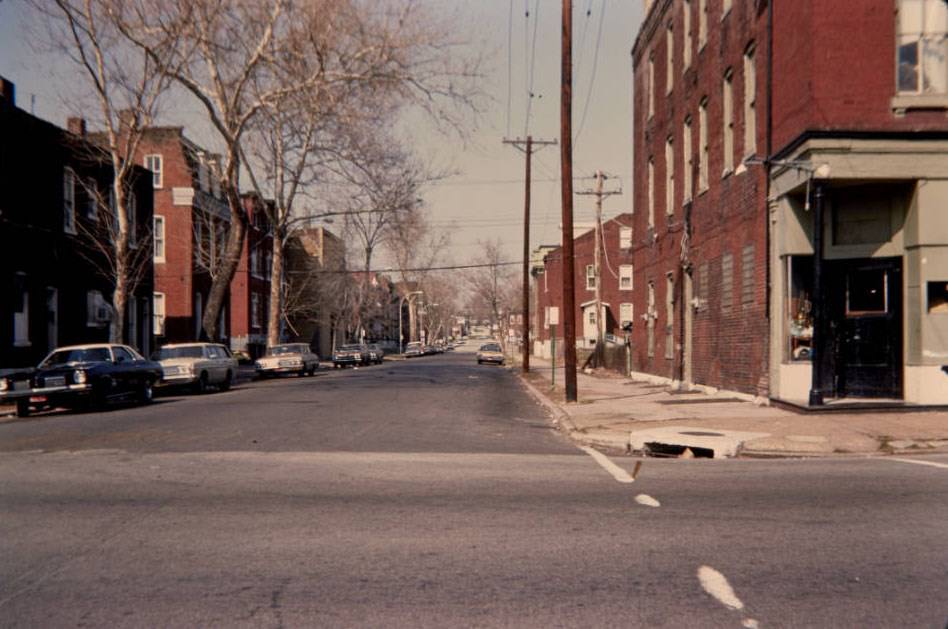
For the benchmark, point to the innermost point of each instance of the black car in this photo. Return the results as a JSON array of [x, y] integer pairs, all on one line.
[[83, 376]]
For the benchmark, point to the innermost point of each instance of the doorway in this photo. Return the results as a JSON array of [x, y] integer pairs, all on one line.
[[863, 356]]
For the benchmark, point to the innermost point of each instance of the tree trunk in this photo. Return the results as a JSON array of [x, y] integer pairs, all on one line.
[[120, 288], [231, 258], [276, 292], [411, 321]]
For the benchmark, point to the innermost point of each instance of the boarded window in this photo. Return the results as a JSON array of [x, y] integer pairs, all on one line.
[[747, 275], [727, 282]]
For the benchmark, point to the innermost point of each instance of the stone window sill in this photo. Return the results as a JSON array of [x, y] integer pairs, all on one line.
[[903, 102]]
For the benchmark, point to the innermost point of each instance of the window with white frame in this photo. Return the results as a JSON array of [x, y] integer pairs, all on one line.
[[626, 314], [625, 277], [687, 159], [650, 87], [158, 314], [159, 237], [669, 58], [154, 164], [592, 316], [669, 176], [651, 193], [69, 201], [625, 237], [702, 23], [686, 35], [21, 311], [750, 102], [590, 277], [650, 320], [922, 47], [669, 316], [727, 118], [703, 152]]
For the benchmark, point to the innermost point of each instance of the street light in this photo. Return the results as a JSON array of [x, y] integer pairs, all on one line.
[[401, 337]]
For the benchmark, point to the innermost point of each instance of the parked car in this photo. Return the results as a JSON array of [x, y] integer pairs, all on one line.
[[376, 353], [415, 348], [353, 354], [295, 358], [197, 365], [490, 353], [83, 376]]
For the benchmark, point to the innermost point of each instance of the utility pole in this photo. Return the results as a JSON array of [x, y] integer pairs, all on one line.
[[528, 150], [599, 193], [566, 176]]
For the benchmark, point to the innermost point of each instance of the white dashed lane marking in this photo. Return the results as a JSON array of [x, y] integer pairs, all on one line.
[[715, 584], [648, 501], [617, 472]]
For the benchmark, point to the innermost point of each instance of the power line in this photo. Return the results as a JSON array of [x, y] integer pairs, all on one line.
[[454, 267], [509, 60], [533, 56], [592, 79]]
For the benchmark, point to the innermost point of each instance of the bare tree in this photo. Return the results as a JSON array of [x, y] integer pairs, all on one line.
[[491, 284], [241, 57], [126, 85]]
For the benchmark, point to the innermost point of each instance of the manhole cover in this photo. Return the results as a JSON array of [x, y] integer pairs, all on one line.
[[698, 433]]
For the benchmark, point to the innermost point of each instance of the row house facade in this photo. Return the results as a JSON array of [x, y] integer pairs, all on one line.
[[53, 221], [190, 225], [616, 287], [790, 236], [250, 288]]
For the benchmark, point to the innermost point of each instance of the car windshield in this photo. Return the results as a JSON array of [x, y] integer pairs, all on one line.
[[490, 347], [276, 350], [414, 344], [192, 351], [67, 356]]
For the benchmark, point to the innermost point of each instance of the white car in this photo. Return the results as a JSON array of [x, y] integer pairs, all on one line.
[[197, 365], [288, 358]]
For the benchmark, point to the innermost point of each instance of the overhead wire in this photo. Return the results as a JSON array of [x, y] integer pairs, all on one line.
[[592, 78], [532, 66], [509, 62]]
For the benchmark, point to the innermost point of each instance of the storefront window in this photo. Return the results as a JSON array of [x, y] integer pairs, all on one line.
[[938, 297], [799, 307]]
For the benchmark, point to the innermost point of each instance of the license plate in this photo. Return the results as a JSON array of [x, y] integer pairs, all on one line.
[[55, 382], [287, 363], [37, 398], [21, 385], [170, 371]]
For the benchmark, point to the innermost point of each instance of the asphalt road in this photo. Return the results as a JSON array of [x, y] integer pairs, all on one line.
[[433, 493]]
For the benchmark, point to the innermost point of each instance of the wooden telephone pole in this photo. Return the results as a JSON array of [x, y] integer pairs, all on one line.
[[566, 176], [528, 149], [599, 193]]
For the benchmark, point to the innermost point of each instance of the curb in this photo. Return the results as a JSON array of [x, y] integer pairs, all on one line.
[[560, 416]]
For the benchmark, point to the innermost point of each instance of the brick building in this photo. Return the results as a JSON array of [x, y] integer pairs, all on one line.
[[250, 287], [55, 282], [747, 135], [190, 225], [616, 292]]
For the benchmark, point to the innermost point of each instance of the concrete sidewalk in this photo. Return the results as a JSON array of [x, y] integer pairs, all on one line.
[[619, 413]]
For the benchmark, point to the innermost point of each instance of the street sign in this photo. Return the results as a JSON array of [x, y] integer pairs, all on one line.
[[552, 315]]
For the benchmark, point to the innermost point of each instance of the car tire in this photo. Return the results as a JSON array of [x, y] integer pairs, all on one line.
[[228, 381], [146, 392], [200, 386], [23, 408]]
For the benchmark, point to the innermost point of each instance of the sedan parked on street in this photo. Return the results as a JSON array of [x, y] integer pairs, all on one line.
[[83, 376], [197, 365], [351, 355], [288, 358], [376, 353], [414, 348], [490, 353]]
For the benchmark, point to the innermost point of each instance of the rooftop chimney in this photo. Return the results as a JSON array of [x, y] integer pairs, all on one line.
[[76, 125], [7, 91]]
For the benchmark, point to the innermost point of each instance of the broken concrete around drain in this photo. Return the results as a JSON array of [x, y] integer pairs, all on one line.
[[720, 443]]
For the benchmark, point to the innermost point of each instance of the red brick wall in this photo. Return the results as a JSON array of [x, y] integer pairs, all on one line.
[[835, 69], [729, 345]]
